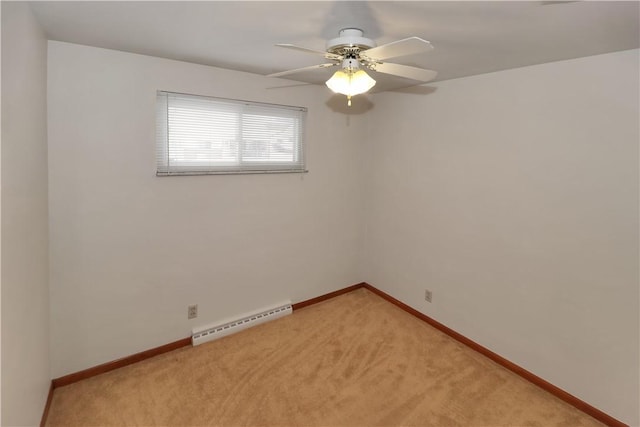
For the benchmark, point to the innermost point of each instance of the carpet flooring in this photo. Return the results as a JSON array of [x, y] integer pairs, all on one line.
[[354, 360]]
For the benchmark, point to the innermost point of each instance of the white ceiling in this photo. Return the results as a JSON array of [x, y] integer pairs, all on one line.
[[469, 37]]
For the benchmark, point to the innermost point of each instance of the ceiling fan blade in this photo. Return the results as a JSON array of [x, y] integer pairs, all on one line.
[[327, 55], [298, 70], [406, 71], [408, 46]]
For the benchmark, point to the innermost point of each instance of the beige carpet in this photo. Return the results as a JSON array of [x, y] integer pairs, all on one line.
[[355, 360]]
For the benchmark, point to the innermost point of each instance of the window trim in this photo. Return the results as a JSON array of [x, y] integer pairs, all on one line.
[[263, 169]]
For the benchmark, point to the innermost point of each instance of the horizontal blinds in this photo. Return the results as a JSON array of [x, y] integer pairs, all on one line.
[[197, 134]]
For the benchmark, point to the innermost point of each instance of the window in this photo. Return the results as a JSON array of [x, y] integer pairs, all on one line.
[[202, 135]]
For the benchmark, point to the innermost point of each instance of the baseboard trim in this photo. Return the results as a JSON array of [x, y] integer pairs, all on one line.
[[325, 297], [47, 405], [543, 384], [128, 360], [119, 363]]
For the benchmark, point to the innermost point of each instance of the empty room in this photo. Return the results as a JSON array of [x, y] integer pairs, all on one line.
[[324, 213]]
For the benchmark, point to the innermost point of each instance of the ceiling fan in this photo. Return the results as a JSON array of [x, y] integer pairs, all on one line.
[[354, 53]]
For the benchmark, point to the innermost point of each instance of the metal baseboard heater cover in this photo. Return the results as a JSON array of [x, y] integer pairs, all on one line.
[[228, 327]]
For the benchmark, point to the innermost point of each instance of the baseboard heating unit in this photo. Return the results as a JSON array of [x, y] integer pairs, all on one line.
[[228, 327]]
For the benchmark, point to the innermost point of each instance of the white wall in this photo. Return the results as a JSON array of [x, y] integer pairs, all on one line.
[[130, 251], [513, 196], [25, 295]]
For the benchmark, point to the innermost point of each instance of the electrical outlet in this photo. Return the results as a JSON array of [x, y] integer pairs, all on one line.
[[192, 311], [427, 295]]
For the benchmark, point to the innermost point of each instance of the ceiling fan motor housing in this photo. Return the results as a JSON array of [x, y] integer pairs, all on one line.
[[349, 38], [350, 63]]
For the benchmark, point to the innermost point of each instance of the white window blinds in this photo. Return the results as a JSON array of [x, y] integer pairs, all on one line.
[[203, 135]]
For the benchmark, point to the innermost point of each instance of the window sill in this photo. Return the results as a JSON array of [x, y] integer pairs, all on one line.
[[164, 174]]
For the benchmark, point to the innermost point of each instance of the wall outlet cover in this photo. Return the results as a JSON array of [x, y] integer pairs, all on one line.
[[192, 311], [428, 295]]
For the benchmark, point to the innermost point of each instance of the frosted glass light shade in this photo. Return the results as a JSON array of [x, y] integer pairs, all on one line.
[[350, 84]]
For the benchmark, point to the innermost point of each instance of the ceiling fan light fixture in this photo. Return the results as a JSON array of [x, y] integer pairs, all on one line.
[[350, 83], [354, 53]]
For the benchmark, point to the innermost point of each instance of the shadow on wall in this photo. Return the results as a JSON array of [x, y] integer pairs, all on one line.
[[416, 90], [360, 104]]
